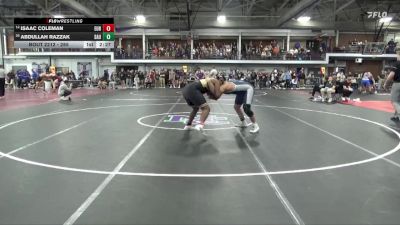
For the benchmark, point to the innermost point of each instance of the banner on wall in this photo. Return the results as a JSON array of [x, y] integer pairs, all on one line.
[[84, 69]]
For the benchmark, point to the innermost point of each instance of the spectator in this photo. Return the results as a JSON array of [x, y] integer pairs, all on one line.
[[347, 89], [287, 78], [129, 77], [137, 81], [391, 47], [11, 79], [122, 77], [106, 75], [366, 83], [153, 77], [35, 75], [294, 82], [102, 83], [23, 78], [252, 79], [162, 78], [65, 90], [301, 76], [148, 81], [72, 75], [327, 90], [157, 79], [141, 78], [317, 88], [112, 80]]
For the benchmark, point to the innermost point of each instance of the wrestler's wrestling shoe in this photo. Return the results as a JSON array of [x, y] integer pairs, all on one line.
[[199, 127], [255, 128], [242, 124], [188, 127]]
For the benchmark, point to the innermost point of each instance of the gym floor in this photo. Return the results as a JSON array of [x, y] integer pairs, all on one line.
[[122, 158]]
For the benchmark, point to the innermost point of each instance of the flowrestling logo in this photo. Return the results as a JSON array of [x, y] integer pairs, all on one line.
[[213, 120]]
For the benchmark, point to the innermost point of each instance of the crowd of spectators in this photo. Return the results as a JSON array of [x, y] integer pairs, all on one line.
[[22, 78], [134, 52], [335, 86], [168, 49], [123, 79], [215, 49], [339, 86], [260, 50], [251, 49], [130, 49]]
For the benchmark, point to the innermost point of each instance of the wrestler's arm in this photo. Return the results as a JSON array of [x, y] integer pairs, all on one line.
[[214, 89]]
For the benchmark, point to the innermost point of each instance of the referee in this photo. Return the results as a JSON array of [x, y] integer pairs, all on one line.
[[394, 76]]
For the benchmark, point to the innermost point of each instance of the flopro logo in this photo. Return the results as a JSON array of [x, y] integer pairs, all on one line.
[[214, 120], [373, 15]]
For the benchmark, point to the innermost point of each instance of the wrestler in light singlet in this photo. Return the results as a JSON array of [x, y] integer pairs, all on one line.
[[244, 96]]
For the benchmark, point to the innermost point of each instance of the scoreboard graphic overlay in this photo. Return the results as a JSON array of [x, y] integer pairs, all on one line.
[[64, 32]]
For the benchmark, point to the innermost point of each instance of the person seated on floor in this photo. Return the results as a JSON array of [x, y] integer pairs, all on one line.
[[328, 89], [347, 90], [338, 86], [294, 83], [317, 88], [148, 82], [10, 81], [65, 90], [102, 84]]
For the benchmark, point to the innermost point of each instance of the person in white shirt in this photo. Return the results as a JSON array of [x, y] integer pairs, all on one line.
[[65, 90], [137, 81], [340, 77]]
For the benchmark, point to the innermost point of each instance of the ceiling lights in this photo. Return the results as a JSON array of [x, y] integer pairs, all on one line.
[[140, 19], [221, 18], [385, 19], [303, 19]]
